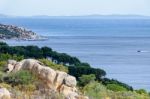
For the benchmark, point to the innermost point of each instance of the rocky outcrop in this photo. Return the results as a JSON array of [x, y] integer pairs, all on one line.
[[4, 93], [56, 80], [18, 33]]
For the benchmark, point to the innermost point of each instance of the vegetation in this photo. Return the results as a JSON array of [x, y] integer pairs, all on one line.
[[39, 53], [23, 77], [85, 79], [54, 66], [78, 71], [116, 87], [96, 90], [91, 81], [141, 91], [75, 67], [107, 81]]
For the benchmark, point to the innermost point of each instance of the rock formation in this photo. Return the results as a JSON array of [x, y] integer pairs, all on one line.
[[4, 93], [56, 80]]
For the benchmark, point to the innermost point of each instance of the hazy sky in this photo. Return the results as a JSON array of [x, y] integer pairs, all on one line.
[[74, 7]]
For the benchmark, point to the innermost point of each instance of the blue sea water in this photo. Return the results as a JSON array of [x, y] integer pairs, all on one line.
[[110, 44]]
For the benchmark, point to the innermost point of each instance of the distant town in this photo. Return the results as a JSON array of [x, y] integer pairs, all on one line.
[[18, 33]]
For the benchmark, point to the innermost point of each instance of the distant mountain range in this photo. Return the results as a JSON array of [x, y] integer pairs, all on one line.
[[84, 16]]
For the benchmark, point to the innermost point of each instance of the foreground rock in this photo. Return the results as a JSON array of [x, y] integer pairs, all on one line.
[[4, 93], [18, 33], [55, 80]]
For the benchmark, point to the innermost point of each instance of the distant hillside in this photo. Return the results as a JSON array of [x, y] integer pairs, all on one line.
[[96, 16], [2, 16], [113, 16], [14, 32]]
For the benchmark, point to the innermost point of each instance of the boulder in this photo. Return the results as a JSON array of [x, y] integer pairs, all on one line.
[[69, 92], [55, 80], [13, 62], [70, 81], [59, 79], [4, 93]]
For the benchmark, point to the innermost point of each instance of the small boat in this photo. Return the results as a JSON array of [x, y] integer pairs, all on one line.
[[140, 51]]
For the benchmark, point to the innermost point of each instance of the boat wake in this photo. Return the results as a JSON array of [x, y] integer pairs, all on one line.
[[142, 51]]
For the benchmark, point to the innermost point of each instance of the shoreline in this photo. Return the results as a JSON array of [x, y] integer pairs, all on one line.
[[112, 67], [18, 33]]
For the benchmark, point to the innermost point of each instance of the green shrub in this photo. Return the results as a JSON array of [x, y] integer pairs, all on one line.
[[4, 85], [27, 88], [95, 90], [107, 81], [22, 77], [2, 65], [5, 57], [3, 44], [1, 77], [54, 66], [115, 87], [85, 79], [78, 71], [141, 91]]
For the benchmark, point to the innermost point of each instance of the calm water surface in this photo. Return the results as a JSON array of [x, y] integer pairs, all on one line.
[[108, 44]]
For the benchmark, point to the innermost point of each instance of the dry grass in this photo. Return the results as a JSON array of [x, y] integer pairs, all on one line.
[[36, 95]]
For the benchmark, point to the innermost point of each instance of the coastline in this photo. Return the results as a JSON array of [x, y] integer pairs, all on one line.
[[78, 69], [18, 33], [100, 58]]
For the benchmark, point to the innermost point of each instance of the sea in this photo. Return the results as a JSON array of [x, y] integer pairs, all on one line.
[[119, 46]]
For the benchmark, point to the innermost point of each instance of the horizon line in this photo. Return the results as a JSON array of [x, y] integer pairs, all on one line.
[[90, 15]]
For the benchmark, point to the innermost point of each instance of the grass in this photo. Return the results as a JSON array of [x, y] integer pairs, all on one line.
[[96, 90]]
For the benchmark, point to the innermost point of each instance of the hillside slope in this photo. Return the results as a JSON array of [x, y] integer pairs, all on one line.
[[14, 32]]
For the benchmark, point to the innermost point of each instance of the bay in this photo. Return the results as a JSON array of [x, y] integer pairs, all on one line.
[[110, 44]]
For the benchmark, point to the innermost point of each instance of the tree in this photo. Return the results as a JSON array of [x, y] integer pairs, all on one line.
[[46, 51], [3, 44], [34, 51], [78, 71]]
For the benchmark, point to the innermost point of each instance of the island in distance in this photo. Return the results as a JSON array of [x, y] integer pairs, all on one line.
[[18, 33]]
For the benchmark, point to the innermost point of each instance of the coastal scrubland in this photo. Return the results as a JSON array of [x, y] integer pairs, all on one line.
[[92, 82]]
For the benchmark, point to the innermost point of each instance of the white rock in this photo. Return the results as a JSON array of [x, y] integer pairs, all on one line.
[[55, 80], [4, 93], [70, 81]]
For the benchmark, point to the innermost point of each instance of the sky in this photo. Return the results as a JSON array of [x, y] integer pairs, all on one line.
[[74, 7]]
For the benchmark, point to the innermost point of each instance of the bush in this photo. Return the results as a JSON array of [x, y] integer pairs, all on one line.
[[2, 65], [22, 77], [85, 79], [37, 52], [95, 90], [5, 57], [27, 88], [4, 85], [54, 66], [107, 81], [82, 70], [3, 44], [141, 91], [115, 87]]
